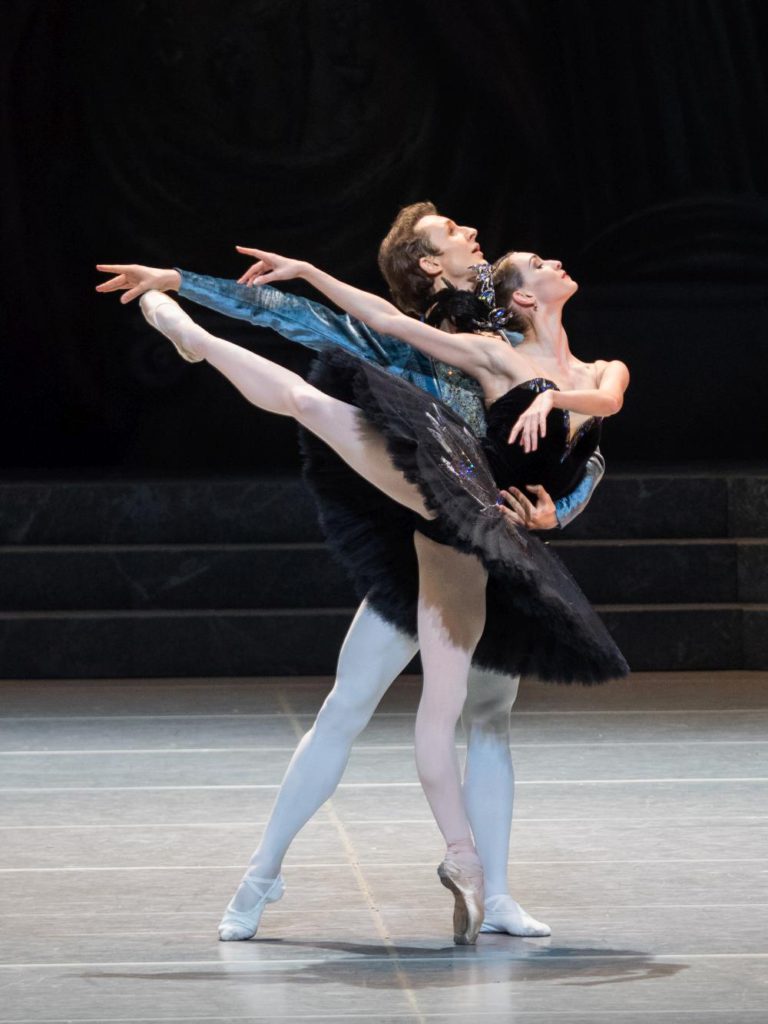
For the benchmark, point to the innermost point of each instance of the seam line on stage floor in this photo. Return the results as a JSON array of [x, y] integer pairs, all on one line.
[[549, 712], [363, 959], [377, 747], [720, 819], [376, 864], [373, 1017], [555, 908], [366, 785]]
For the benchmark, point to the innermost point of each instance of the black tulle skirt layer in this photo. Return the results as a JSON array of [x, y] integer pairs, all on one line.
[[538, 622]]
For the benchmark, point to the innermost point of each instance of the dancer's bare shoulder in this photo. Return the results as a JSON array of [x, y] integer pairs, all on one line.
[[610, 370], [592, 375]]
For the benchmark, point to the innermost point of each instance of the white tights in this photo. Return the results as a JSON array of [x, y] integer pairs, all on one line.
[[372, 656], [451, 614]]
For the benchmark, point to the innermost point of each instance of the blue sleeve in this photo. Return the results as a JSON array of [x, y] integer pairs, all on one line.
[[573, 504], [308, 323]]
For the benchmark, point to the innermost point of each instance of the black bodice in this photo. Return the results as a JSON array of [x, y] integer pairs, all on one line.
[[558, 464]]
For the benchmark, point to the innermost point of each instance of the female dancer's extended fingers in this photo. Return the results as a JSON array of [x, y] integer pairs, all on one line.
[[543, 423], [252, 272], [264, 278], [113, 268], [260, 254], [112, 284], [515, 430]]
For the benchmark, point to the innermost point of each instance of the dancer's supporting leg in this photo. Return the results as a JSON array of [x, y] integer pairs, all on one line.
[[451, 615], [374, 653], [489, 792]]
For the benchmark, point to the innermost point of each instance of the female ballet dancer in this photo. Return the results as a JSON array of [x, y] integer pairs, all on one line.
[[448, 479]]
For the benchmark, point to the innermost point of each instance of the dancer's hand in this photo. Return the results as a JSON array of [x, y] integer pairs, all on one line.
[[523, 512], [533, 422], [270, 267], [134, 280]]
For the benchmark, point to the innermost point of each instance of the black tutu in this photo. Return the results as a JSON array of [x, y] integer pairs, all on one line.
[[538, 622]]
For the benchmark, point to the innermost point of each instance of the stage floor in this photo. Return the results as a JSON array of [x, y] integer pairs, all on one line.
[[128, 810]]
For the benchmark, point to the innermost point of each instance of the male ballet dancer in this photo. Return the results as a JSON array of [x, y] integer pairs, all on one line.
[[421, 250]]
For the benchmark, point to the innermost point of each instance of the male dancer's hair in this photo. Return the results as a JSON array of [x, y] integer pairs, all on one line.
[[399, 255]]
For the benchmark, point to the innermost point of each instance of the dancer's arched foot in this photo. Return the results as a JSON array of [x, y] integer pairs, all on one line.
[[503, 914], [167, 316], [242, 916], [462, 873]]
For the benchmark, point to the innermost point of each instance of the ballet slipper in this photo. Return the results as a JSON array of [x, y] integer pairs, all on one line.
[[238, 925], [465, 881], [503, 914], [173, 327]]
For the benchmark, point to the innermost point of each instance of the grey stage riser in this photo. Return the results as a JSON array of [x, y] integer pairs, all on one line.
[[279, 510], [307, 576], [199, 644]]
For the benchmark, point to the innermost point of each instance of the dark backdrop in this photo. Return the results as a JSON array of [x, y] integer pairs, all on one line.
[[623, 138]]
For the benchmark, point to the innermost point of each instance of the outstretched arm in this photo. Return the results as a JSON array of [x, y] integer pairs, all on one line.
[[469, 352], [295, 318]]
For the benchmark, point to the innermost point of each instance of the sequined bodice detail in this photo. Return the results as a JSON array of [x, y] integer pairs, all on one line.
[[559, 461], [462, 393]]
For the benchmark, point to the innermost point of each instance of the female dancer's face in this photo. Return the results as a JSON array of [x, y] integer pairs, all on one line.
[[545, 280]]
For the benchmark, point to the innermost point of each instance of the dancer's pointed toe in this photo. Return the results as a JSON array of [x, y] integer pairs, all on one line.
[[466, 884], [170, 322], [242, 922]]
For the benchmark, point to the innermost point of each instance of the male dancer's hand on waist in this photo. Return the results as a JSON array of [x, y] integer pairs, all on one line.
[[519, 509]]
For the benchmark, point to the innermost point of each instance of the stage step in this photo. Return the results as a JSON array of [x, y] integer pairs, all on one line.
[[198, 578], [275, 510], [305, 575], [236, 642]]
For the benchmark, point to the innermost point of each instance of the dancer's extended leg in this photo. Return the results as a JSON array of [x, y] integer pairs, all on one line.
[[273, 388], [489, 791], [451, 615], [451, 606], [374, 653]]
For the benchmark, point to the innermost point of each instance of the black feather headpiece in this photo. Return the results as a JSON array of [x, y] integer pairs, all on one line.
[[469, 311]]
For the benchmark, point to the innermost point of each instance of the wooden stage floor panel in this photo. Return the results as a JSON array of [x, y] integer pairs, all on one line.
[[128, 810]]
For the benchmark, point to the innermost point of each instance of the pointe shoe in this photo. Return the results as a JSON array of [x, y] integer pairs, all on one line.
[[467, 888], [238, 925], [503, 914], [150, 302]]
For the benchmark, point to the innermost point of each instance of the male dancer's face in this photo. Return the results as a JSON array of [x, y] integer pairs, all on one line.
[[457, 251]]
